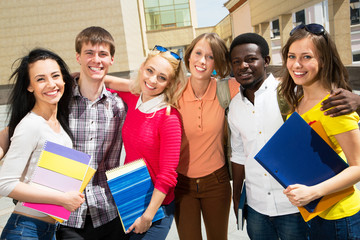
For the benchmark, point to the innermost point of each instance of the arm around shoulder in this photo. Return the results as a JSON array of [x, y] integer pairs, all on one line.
[[117, 83], [341, 102]]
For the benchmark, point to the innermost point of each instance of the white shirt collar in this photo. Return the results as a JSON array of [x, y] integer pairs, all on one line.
[[152, 105], [269, 80]]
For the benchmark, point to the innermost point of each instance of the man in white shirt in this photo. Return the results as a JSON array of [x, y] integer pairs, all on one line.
[[254, 116]]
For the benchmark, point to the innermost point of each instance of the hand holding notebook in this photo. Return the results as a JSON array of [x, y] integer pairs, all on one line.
[[132, 189], [60, 169]]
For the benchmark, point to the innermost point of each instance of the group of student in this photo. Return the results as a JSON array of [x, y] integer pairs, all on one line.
[[176, 124]]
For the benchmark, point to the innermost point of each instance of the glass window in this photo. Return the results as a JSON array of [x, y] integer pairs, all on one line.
[[151, 3], [160, 14], [167, 17], [166, 8], [275, 28], [354, 12], [152, 20], [182, 18], [300, 17], [181, 6], [152, 10], [166, 2], [181, 1], [356, 57]]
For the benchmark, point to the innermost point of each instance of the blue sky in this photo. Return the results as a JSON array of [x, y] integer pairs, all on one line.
[[210, 12]]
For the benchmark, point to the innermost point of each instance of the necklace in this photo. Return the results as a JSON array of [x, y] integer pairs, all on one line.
[[198, 98]]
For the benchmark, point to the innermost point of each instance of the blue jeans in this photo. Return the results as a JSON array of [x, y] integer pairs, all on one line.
[[22, 227], [263, 227], [159, 229], [344, 228]]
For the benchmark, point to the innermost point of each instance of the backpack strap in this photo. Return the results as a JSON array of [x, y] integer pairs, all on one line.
[[223, 93], [283, 105], [224, 97]]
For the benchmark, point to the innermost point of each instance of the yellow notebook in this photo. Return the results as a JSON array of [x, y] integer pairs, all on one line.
[[89, 174]]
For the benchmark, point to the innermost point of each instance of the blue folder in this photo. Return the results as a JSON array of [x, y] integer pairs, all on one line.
[[297, 154], [241, 208]]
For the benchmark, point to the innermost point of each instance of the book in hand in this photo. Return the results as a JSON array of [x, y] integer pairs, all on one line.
[[60, 169], [132, 188], [297, 154], [241, 208]]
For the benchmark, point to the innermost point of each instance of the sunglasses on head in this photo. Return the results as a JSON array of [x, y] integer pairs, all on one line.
[[162, 49], [313, 28]]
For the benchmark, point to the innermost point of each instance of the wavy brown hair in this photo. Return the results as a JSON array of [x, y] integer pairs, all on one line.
[[332, 72], [219, 49]]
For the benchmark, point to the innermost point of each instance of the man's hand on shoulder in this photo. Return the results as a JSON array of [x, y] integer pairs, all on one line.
[[341, 102]]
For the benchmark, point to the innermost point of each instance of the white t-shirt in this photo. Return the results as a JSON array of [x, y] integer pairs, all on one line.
[[20, 160]]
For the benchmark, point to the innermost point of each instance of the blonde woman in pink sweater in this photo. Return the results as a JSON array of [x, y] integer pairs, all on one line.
[[152, 131]]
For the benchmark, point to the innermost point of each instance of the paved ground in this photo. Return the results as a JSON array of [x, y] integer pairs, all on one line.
[[6, 207]]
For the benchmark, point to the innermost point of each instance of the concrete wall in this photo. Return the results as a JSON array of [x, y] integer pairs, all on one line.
[[241, 20], [55, 24], [172, 37], [263, 11], [224, 30]]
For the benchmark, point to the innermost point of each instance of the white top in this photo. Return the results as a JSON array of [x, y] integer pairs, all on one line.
[[20, 160], [152, 105], [251, 127]]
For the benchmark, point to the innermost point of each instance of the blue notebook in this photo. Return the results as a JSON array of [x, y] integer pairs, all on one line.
[[241, 208], [297, 154], [132, 188]]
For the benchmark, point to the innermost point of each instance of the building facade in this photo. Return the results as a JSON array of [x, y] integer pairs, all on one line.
[[274, 20], [135, 25]]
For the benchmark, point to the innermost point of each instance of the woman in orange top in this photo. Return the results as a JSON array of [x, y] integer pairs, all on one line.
[[203, 180]]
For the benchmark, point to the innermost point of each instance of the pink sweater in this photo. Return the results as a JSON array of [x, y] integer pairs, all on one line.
[[155, 137]]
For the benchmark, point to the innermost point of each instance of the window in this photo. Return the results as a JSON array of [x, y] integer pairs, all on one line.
[[354, 12], [300, 17], [162, 14], [356, 57], [275, 28]]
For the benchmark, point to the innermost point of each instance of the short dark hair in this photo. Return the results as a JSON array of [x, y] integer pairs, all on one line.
[[251, 38]]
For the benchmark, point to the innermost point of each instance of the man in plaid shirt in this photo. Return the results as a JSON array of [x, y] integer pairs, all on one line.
[[96, 119]]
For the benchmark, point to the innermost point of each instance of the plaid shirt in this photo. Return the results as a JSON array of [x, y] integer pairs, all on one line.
[[97, 131]]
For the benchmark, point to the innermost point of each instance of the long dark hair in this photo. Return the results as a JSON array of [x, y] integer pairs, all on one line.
[[332, 72], [21, 101]]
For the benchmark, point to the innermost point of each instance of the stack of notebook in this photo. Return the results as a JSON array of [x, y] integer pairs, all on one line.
[[60, 169]]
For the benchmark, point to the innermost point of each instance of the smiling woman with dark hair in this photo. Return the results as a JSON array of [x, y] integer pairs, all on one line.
[[39, 105], [312, 69]]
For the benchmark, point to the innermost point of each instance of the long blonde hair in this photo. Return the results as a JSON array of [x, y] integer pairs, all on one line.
[[178, 80]]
